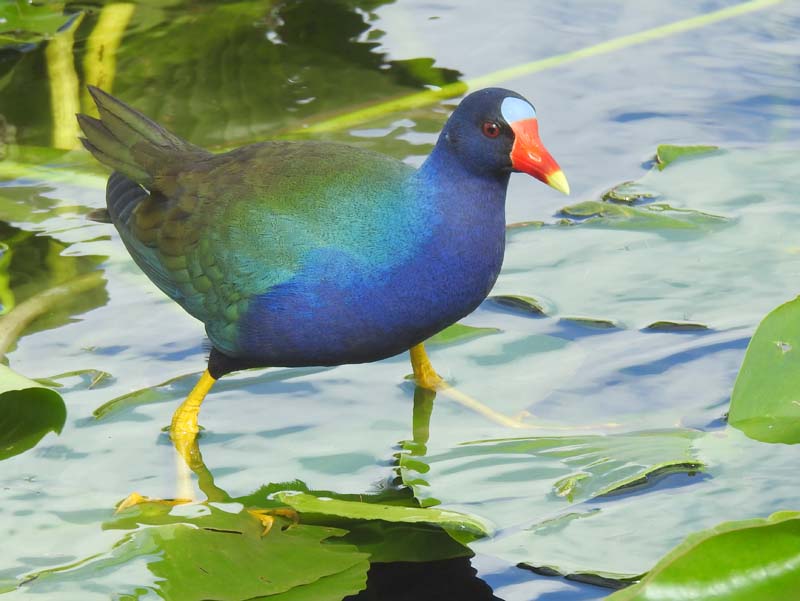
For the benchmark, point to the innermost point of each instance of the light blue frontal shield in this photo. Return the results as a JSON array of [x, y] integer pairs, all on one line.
[[516, 109]]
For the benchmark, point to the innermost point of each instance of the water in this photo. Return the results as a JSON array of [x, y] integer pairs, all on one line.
[[226, 74]]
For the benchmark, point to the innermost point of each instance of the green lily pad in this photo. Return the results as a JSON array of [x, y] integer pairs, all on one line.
[[28, 411], [645, 217], [306, 503], [386, 541], [735, 561], [222, 555], [765, 403], [668, 153]]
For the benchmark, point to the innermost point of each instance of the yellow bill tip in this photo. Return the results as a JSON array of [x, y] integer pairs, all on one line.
[[558, 181]]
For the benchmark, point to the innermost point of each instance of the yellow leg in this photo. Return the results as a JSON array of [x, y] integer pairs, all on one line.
[[424, 373], [426, 377], [184, 429]]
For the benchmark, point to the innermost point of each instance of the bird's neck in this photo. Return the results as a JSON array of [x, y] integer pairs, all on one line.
[[459, 192], [443, 168], [466, 234]]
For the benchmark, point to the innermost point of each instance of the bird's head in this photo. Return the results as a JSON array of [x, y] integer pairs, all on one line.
[[494, 131]]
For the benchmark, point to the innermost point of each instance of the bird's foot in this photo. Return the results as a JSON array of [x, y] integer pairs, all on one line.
[[267, 517]]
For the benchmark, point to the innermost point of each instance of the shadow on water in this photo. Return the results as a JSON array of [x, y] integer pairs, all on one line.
[[429, 581]]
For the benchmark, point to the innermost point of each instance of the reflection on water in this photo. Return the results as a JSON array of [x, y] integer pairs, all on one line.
[[222, 74], [31, 264]]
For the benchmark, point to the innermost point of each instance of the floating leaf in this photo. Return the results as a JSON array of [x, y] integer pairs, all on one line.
[[519, 302], [645, 217], [765, 403], [90, 378], [614, 581], [735, 561], [667, 153], [627, 193], [385, 541], [216, 554], [458, 332], [179, 386], [591, 322], [524, 225], [28, 411], [676, 326], [307, 503]]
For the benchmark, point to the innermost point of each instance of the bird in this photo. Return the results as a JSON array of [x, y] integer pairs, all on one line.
[[316, 253]]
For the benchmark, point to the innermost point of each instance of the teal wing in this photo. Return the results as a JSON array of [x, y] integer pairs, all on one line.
[[223, 229]]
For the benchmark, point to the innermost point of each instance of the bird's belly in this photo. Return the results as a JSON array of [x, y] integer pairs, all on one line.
[[345, 311]]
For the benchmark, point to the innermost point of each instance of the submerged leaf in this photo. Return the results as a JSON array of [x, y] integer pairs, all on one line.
[[765, 403], [576, 467], [735, 561], [28, 411], [668, 153]]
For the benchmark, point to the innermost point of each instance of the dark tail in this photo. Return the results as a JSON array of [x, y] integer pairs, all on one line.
[[126, 140]]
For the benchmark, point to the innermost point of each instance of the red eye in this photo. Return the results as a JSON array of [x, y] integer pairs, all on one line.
[[491, 129]]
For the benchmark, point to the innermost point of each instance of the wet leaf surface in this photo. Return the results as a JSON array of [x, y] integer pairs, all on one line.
[[735, 561], [28, 412], [765, 403]]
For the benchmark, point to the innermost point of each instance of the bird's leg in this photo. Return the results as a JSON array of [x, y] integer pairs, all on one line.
[[424, 374], [426, 377], [184, 428], [183, 432]]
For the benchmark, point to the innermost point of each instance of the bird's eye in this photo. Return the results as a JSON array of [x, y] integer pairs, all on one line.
[[491, 129]]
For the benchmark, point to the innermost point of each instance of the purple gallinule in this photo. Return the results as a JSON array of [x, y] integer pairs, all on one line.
[[316, 253]]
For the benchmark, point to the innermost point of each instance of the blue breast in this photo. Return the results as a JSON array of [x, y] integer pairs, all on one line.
[[354, 308]]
